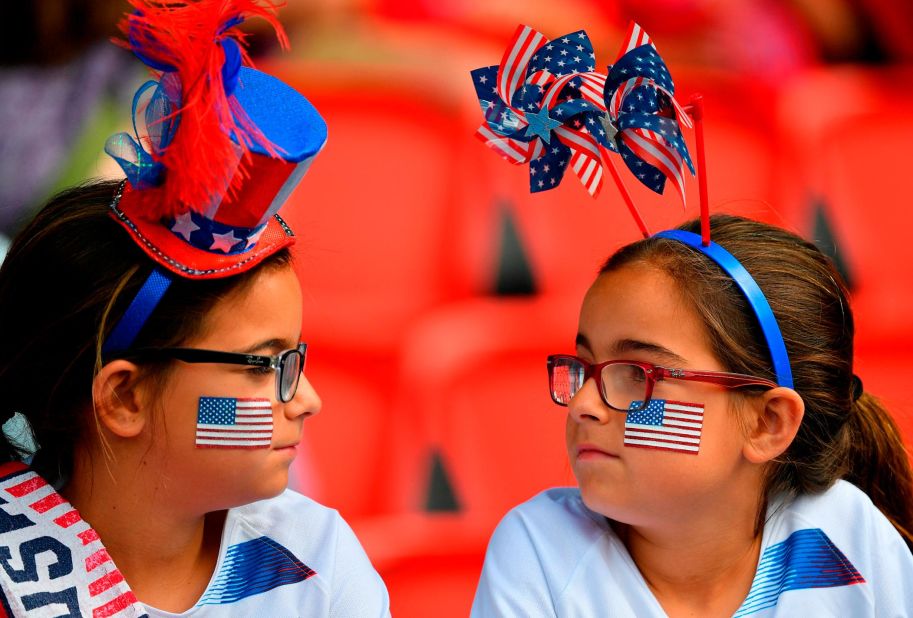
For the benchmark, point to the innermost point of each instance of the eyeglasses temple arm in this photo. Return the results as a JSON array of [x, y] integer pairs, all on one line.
[[191, 355], [724, 379]]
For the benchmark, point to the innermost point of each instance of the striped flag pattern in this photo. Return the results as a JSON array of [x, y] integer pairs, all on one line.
[[665, 425], [539, 104], [586, 161], [646, 117], [226, 422], [634, 38], [514, 64], [99, 584], [545, 105]]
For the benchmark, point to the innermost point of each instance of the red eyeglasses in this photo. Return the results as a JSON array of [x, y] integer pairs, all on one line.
[[627, 386]]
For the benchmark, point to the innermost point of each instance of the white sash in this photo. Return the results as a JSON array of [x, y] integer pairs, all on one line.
[[51, 562]]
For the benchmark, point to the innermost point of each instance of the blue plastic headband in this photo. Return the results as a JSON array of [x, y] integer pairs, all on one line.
[[752, 292], [136, 315]]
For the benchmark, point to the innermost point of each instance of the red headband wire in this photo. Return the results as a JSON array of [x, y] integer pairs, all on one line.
[[624, 194], [695, 109]]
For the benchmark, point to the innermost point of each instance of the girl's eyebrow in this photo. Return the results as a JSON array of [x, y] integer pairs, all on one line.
[[271, 345], [634, 345], [582, 342]]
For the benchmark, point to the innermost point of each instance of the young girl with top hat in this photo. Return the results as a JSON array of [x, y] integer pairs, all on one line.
[[151, 341], [728, 460]]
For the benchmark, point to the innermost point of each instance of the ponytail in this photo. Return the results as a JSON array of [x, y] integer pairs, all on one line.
[[879, 464]]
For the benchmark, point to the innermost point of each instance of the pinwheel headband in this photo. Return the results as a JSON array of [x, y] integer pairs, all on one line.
[[545, 105], [223, 147]]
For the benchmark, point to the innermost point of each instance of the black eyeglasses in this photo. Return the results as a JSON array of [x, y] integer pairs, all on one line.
[[627, 386], [288, 364]]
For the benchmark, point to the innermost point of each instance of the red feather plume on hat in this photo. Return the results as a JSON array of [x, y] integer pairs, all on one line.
[[189, 40]]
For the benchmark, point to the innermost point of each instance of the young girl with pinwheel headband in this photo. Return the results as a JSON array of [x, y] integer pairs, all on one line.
[[728, 460], [151, 338]]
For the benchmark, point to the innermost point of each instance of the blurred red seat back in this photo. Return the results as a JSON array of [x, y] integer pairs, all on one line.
[[865, 161], [373, 218], [428, 560], [812, 106], [476, 374], [374, 212], [344, 446], [847, 133]]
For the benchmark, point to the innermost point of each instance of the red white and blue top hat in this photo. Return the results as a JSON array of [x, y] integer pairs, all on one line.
[[223, 146]]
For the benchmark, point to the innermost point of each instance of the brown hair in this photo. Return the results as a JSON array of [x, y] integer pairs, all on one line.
[[840, 436], [68, 277]]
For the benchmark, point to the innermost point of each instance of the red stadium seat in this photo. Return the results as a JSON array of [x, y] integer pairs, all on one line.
[[473, 389], [476, 374], [430, 562], [865, 160], [376, 246], [810, 107], [851, 157], [374, 213], [344, 446]]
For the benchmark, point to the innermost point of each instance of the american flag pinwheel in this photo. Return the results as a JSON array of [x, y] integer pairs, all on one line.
[[540, 104], [643, 120]]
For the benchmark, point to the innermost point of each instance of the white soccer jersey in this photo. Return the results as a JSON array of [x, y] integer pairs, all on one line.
[[832, 554], [282, 557], [286, 557]]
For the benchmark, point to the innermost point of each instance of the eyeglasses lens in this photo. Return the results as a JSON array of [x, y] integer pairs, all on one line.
[[289, 373], [623, 384], [568, 376]]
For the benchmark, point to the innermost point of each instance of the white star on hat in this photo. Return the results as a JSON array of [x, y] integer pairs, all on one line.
[[184, 226], [224, 242]]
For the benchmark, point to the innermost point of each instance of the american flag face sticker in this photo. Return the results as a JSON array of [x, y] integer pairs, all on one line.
[[666, 426], [225, 422]]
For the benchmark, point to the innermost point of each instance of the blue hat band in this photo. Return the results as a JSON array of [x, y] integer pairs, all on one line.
[[753, 294], [142, 306], [210, 235]]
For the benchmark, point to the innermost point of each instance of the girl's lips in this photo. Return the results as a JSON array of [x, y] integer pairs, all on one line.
[[593, 452]]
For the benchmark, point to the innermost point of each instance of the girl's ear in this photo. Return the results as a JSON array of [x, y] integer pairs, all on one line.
[[779, 414], [118, 401]]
